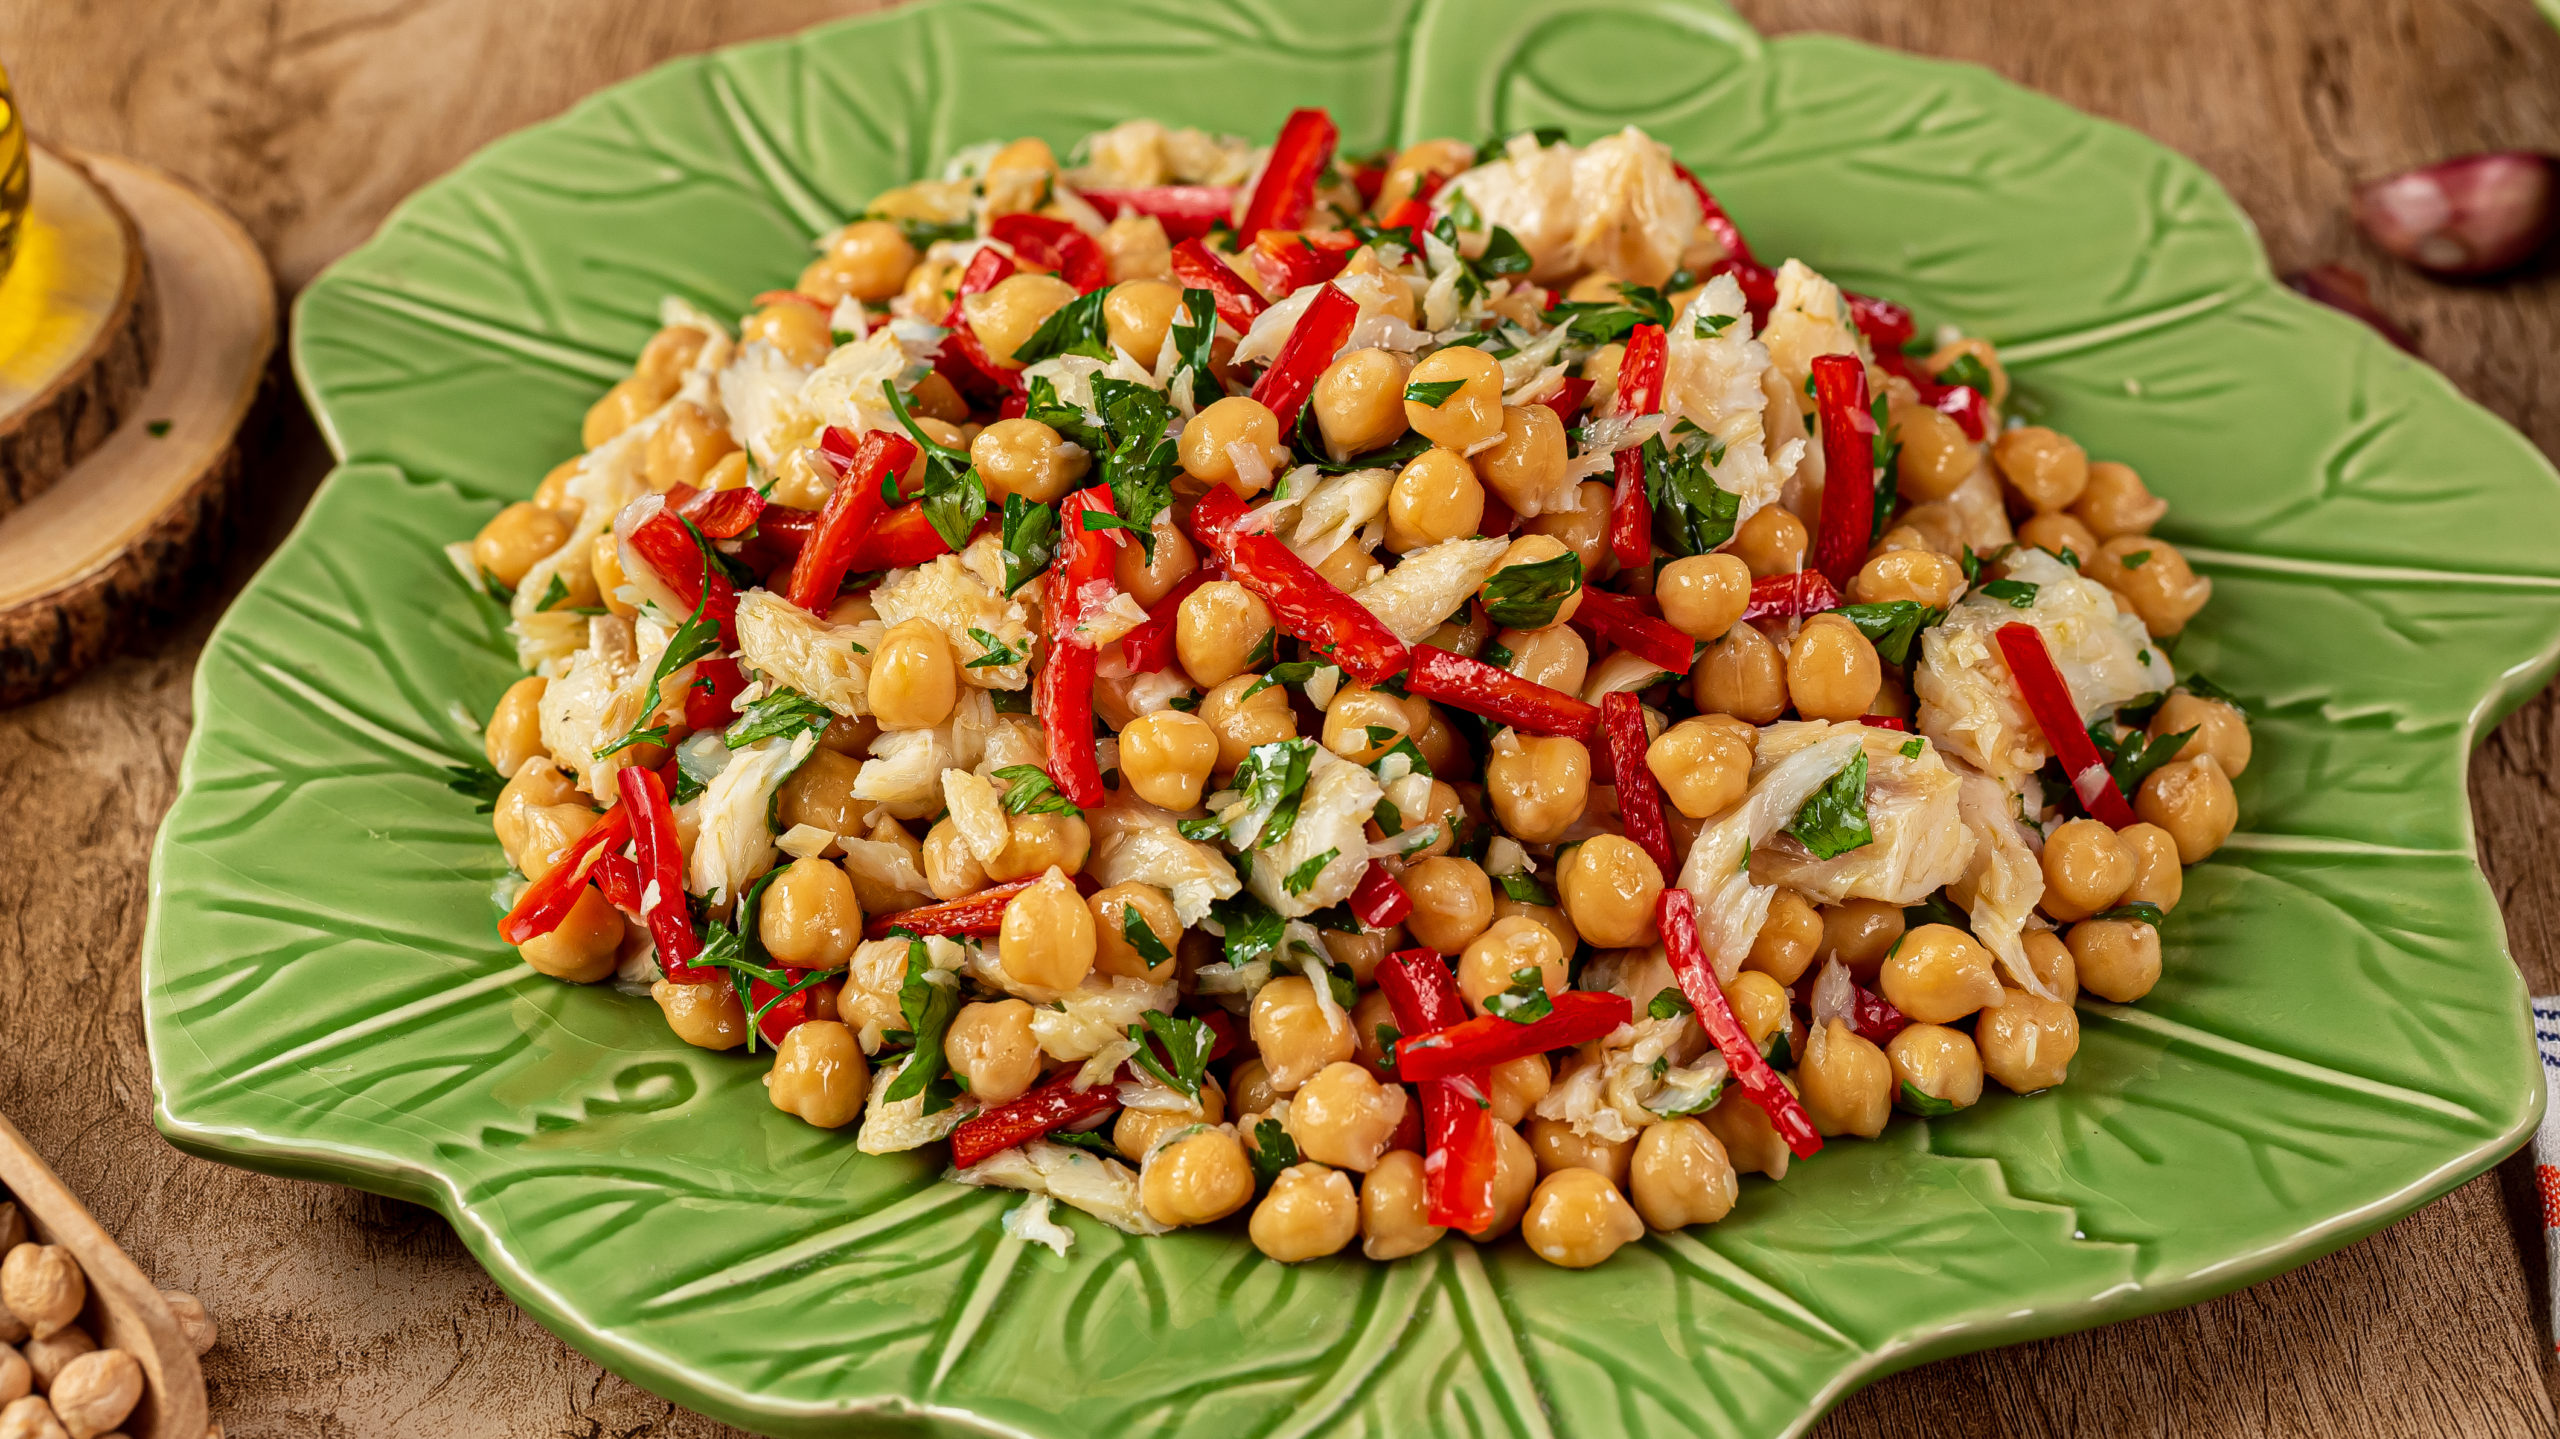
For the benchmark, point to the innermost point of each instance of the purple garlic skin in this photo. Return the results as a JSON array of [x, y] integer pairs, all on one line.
[[2468, 216]]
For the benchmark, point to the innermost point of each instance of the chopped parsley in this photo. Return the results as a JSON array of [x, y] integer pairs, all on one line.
[[1523, 887], [1968, 370], [1304, 877], [1253, 931], [1526, 597], [928, 1008], [1195, 327], [999, 654], [2137, 559], [1077, 327], [2139, 911], [1030, 540], [1033, 792], [1692, 514], [1273, 1151], [1186, 1042], [781, 713], [1894, 625], [1141, 936], [1432, 393], [1272, 778], [1670, 1003], [2017, 594], [1707, 327], [1524, 1000], [698, 638], [1834, 821], [1605, 322], [1912, 747], [476, 782], [1914, 1099]]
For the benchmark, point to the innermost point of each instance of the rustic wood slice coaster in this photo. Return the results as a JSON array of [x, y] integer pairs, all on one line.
[[117, 538], [124, 1310], [77, 334]]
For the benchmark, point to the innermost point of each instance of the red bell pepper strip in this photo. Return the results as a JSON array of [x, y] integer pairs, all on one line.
[[548, 900], [719, 514], [1716, 221], [1460, 1157], [1676, 915], [1063, 694], [1498, 517], [1621, 620], [1964, 404], [1847, 524], [1886, 325], [2048, 698], [669, 549], [1368, 179], [1578, 1017], [1759, 286], [1871, 1016], [1199, 268], [1287, 189], [852, 511], [980, 913], [1054, 1105], [787, 1014], [655, 849], [987, 269], [1305, 604], [711, 701], [1793, 596], [1640, 374], [1566, 399], [1283, 389], [903, 538], [1412, 217], [1479, 688], [1895, 723], [1289, 260], [1380, 901], [619, 878], [1079, 584], [1054, 245], [1187, 212], [962, 360], [1215, 517], [1149, 647], [1639, 795]]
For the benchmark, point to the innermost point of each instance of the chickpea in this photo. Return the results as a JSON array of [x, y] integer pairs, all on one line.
[[551, 494], [1235, 420], [706, 1016], [871, 258], [537, 783], [1680, 1175], [1167, 756], [665, 359], [914, 682], [585, 945], [1138, 313], [1848, 1084], [2192, 800], [1557, 1147], [1771, 542], [2059, 534], [1138, 1131], [1348, 566], [1361, 954], [514, 732], [43, 1287], [1742, 675], [1583, 529], [1609, 884], [684, 447], [1788, 939], [799, 331], [1217, 630], [1038, 842], [1750, 1141], [1310, 1212], [1359, 401], [1525, 464], [1047, 940], [515, 539], [1442, 748], [1241, 721], [809, 918], [1538, 784], [1759, 1004], [1150, 911], [621, 407], [2116, 502], [2221, 730], [1344, 1117], [1921, 576], [1150, 577], [1702, 596], [820, 793], [1296, 1036], [1520, 600], [2050, 961], [820, 1075], [1939, 974], [1518, 1085], [2154, 578], [1473, 414], [1860, 933], [1006, 315], [991, 1047], [2027, 1043], [1395, 1208], [1436, 497], [2046, 469], [1452, 903], [1138, 248], [1250, 1084], [1493, 960], [1200, 1178], [1703, 767], [547, 832], [46, 1358], [1027, 458], [1515, 1174], [951, 868], [1556, 657], [2085, 870], [1937, 1061], [1577, 1218], [1362, 724], [2157, 879], [91, 1395], [1833, 672], [1936, 456], [2116, 959], [931, 286]]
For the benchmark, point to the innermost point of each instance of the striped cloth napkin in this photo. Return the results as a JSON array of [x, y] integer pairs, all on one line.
[[2546, 1140]]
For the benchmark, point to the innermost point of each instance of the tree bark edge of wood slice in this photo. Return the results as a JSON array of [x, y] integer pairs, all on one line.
[[145, 516], [98, 386]]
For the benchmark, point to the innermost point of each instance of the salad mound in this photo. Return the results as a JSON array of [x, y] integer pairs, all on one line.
[[1384, 694]]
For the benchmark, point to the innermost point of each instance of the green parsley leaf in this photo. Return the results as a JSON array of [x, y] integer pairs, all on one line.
[[1893, 625], [1142, 936], [1033, 792], [1296, 672], [2137, 559], [1834, 821], [1094, 1140], [476, 782], [1272, 778], [1972, 564], [1389, 819], [1387, 1034], [2138, 911], [1195, 327], [1914, 1099], [1936, 909], [497, 589], [1252, 930], [1498, 654], [954, 502], [1670, 1003], [1779, 1053], [1273, 1151], [1074, 328], [696, 639], [1186, 1041], [2131, 757], [557, 592], [1524, 1000], [923, 233], [1523, 887], [1709, 326], [1030, 540], [1526, 597], [999, 654], [2202, 688], [1492, 150], [1968, 370], [1605, 322], [2018, 594], [782, 713], [1912, 747], [1140, 462], [1304, 877], [1415, 763], [1433, 393], [1206, 830], [928, 1008], [1692, 514]]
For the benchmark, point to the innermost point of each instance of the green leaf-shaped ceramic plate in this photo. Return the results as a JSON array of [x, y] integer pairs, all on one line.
[[2339, 1038]]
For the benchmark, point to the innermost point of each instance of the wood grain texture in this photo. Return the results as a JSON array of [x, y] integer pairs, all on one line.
[[345, 1314]]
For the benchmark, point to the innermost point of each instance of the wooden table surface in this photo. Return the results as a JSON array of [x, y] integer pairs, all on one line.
[[345, 1314]]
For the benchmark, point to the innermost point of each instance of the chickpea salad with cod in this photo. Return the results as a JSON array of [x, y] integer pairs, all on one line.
[[1382, 694]]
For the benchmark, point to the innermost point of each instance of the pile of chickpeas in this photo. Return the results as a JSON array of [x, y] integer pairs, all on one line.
[[1319, 1068], [55, 1382]]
